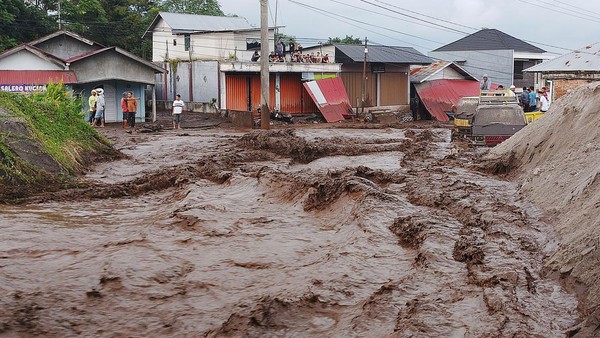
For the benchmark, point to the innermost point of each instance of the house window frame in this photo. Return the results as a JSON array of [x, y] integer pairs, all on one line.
[[187, 42]]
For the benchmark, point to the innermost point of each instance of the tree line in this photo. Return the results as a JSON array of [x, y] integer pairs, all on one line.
[[118, 23]]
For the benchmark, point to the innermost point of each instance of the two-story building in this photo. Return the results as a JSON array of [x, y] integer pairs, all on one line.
[[500, 56]]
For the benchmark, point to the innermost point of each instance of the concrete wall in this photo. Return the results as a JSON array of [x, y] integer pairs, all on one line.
[[205, 82], [498, 64], [65, 47], [112, 65], [25, 60]]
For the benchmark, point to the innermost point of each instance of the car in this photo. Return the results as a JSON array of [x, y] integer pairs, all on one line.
[[496, 120]]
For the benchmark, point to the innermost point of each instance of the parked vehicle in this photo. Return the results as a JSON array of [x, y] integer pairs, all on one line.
[[532, 116], [495, 121], [463, 115]]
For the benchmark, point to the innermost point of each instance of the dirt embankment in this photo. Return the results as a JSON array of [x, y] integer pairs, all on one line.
[[43, 147], [557, 162]]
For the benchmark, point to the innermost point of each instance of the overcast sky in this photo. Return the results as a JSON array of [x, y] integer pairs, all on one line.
[[434, 23]]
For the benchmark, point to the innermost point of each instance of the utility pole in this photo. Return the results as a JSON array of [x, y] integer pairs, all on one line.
[[59, 22], [265, 113], [364, 86]]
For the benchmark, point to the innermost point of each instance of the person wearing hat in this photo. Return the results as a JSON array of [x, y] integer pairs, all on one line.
[[100, 106], [511, 92], [92, 103], [486, 83]]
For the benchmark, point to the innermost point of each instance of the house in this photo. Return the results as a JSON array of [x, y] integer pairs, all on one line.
[[386, 73], [83, 65], [190, 47], [437, 88], [499, 55], [208, 59], [177, 36], [570, 71]]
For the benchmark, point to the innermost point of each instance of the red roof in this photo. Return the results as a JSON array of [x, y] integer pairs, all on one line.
[[36, 77], [439, 96], [330, 97]]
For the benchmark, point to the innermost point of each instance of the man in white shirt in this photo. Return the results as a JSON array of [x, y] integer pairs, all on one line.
[[177, 110]]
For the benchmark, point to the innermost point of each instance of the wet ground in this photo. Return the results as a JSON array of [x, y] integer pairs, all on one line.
[[307, 232]]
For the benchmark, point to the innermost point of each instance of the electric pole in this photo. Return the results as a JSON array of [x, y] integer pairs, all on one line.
[[265, 112], [364, 86]]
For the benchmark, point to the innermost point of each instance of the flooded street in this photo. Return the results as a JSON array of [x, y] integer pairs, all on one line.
[[288, 233]]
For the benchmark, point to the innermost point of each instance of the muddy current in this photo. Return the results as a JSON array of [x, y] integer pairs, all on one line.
[[282, 233]]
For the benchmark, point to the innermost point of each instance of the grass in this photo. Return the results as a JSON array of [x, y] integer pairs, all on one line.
[[55, 121]]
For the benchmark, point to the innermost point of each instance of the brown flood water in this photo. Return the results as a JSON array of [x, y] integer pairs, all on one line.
[[312, 233]]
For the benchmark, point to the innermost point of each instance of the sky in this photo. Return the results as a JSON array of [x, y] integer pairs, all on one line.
[[556, 26]]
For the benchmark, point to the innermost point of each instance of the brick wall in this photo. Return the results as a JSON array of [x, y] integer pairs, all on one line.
[[561, 87]]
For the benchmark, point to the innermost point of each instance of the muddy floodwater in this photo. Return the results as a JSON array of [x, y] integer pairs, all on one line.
[[286, 233]]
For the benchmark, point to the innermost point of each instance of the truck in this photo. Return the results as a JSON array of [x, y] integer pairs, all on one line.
[[493, 120]]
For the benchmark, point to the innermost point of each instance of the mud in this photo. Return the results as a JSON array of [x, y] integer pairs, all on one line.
[[310, 232]]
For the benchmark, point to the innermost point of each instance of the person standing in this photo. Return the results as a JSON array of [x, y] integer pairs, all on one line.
[[511, 91], [532, 99], [124, 110], [486, 83], [131, 109], [544, 103], [92, 103], [100, 106], [524, 98], [177, 110]]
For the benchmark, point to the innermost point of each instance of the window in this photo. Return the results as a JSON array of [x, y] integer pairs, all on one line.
[[252, 44], [519, 70], [186, 41]]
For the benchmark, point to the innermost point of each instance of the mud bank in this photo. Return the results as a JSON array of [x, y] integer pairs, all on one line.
[[311, 232], [557, 164]]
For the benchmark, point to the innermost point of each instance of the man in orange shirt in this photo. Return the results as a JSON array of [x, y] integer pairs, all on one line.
[[124, 109], [132, 109]]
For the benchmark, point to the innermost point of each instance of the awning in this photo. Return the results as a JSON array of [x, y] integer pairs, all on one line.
[[36, 77], [439, 96], [330, 97]]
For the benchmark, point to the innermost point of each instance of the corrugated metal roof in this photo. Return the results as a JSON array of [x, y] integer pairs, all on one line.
[[330, 97], [439, 96], [583, 59], [490, 39], [384, 54], [188, 23], [423, 73], [37, 77]]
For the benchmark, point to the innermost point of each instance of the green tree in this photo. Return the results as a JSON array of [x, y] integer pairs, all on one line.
[[205, 7], [348, 40], [20, 22], [285, 38]]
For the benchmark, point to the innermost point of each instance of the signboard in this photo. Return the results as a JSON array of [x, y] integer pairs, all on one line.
[[22, 88]]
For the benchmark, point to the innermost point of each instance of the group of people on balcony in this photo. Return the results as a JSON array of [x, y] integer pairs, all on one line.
[[295, 54]]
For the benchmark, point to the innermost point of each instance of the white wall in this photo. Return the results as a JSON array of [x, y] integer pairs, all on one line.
[[498, 64], [25, 60], [205, 46]]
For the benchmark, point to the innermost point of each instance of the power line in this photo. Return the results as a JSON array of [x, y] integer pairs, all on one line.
[[562, 12]]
